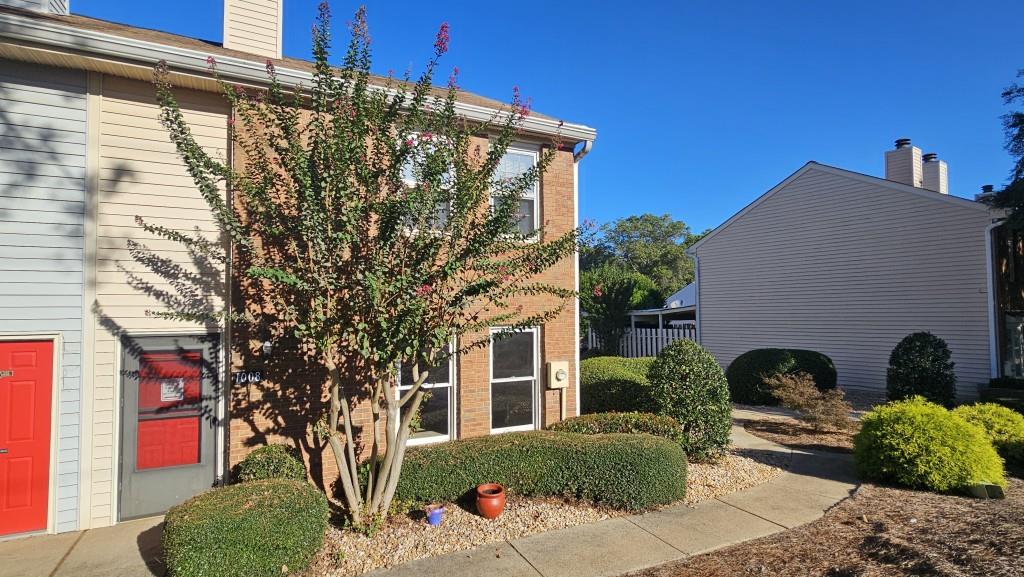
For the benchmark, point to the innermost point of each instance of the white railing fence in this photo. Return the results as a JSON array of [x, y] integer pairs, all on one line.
[[645, 342]]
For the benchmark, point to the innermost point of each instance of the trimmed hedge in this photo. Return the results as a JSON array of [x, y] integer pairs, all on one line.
[[1003, 426], [623, 471], [920, 365], [271, 462], [749, 373], [597, 423], [688, 384], [248, 530], [615, 384], [922, 445]]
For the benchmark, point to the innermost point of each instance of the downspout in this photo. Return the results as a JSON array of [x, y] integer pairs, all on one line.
[[696, 296], [577, 156], [993, 312]]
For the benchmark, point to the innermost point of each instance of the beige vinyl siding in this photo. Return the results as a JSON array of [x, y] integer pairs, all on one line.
[[140, 174], [253, 26], [848, 266]]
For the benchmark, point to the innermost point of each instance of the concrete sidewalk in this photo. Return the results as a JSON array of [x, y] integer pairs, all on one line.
[[129, 549], [813, 483]]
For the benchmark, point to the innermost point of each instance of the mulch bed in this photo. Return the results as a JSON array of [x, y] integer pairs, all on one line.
[[883, 531], [793, 433]]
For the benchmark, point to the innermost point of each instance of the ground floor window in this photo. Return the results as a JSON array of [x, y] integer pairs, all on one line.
[[513, 380], [435, 421]]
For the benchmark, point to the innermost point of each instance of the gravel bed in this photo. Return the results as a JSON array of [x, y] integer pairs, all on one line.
[[407, 538]]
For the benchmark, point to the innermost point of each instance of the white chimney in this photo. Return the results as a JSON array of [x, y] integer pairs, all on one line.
[[904, 164], [254, 26], [936, 173], [48, 6]]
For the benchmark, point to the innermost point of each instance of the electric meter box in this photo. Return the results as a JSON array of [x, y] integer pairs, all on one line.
[[558, 375]]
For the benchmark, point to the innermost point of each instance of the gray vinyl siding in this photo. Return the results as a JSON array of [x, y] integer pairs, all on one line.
[[42, 208], [848, 267]]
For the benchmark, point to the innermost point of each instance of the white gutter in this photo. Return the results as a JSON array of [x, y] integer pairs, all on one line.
[[576, 158], [993, 312], [141, 52]]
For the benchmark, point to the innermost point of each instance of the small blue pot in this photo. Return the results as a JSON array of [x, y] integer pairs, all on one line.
[[435, 515]]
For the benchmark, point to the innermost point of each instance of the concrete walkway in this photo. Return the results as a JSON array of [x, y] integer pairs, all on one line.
[[814, 482]]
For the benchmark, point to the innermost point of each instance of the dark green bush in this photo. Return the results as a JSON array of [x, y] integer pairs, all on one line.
[[1003, 426], [922, 445], [688, 384], [248, 530], [749, 374], [920, 365], [271, 462], [623, 471], [615, 384], [597, 423]]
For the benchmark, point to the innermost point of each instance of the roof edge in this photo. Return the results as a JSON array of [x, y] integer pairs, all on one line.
[[90, 42], [813, 165]]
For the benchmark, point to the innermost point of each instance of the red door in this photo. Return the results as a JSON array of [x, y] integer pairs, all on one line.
[[26, 381]]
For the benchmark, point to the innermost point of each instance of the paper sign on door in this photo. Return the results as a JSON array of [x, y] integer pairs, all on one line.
[[172, 390]]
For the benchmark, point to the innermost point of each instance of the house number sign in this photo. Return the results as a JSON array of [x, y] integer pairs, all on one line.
[[247, 377], [6, 373]]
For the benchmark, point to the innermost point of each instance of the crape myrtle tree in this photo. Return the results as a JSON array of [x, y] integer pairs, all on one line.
[[378, 233]]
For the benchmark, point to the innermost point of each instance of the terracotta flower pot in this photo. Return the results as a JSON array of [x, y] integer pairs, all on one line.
[[490, 500]]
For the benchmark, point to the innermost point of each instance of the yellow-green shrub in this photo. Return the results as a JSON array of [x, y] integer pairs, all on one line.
[[922, 445], [1004, 427]]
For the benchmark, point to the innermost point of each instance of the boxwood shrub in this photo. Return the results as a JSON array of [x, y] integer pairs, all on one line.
[[1003, 426], [271, 462], [922, 445], [597, 423], [688, 385], [615, 384], [921, 365], [624, 471], [258, 529], [749, 373]]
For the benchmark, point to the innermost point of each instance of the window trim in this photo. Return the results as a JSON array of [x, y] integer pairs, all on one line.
[[535, 195], [452, 384], [535, 395]]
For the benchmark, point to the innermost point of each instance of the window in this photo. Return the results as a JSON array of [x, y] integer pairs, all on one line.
[[514, 381], [436, 419], [518, 160], [410, 177]]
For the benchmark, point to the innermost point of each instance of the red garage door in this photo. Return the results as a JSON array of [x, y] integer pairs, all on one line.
[[26, 383]]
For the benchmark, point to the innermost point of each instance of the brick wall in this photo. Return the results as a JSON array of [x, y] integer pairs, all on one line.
[[268, 412]]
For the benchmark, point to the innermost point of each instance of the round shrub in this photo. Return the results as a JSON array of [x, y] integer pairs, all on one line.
[[624, 471], [1003, 426], [920, 365], [922, 445], [271, 462], [615, 384], [749, 373], [248, 530], [597, 423], [688, 385]]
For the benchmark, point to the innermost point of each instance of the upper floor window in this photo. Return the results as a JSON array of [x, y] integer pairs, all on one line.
[[424, 145], [517, 160]]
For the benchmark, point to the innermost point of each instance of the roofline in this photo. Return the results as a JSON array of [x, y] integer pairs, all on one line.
[[90, 42], [812, 165]]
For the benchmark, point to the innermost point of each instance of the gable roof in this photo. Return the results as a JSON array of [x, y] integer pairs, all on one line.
[[817, 166], [82, 35]]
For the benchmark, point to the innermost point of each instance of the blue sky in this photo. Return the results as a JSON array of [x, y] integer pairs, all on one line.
[[701, 106]]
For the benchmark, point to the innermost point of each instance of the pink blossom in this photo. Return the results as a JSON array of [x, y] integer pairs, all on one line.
[[427, 135], [453, 78], [441, 43], [424, 290], [597, 291], [270, 66], [410, 142], [231, 121], [211, 61]]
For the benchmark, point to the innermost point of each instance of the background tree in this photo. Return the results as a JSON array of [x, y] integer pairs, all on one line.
[[361, 227], [607, 294], [1012, 196], [652, 245]]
